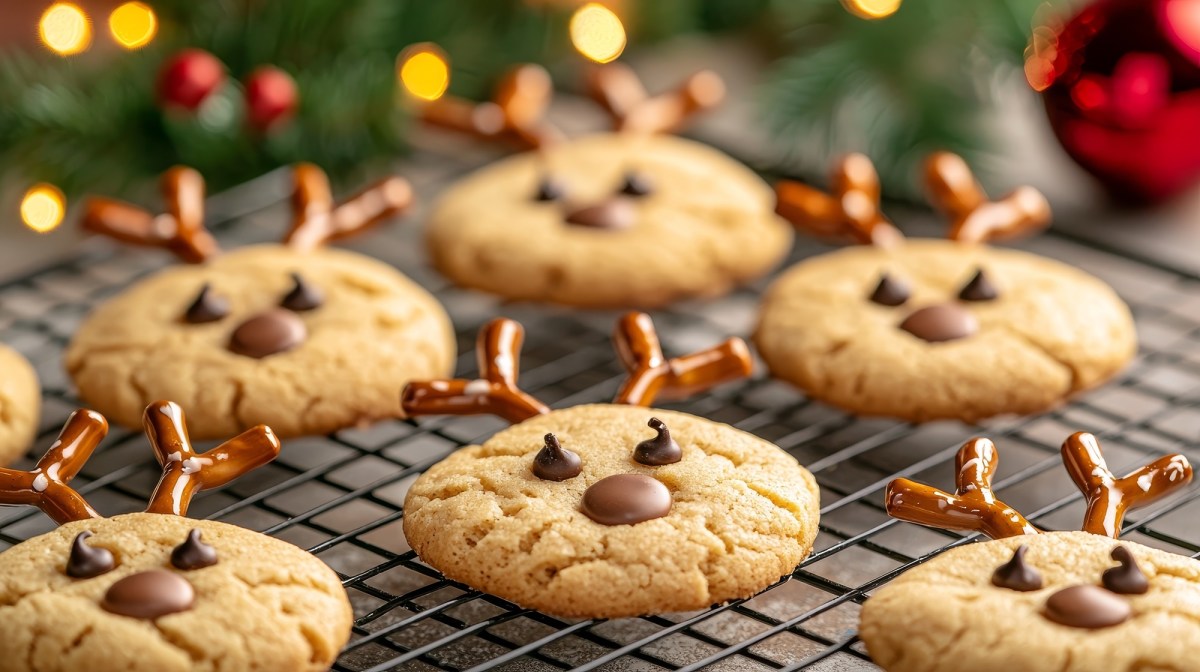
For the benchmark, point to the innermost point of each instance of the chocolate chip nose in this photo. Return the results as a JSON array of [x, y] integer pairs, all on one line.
[[944, 322], [614, 213], [268, 333], [149, 595], [1087, 606], [626, 499]]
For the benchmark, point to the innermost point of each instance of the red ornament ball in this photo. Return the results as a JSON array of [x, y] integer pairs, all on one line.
[[271, 97], [1121, 85], [188, 78]]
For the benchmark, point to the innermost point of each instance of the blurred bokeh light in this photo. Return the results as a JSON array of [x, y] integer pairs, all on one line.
[[65, 29], [43, 207], [424, 71], [597, 33], [133, 25], [872, 9]]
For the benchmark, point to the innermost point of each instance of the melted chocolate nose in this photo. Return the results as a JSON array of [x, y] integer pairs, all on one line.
[[1087, 606], [149, 595], [626, 499], [268, 333], [614, 213], [944, 322]]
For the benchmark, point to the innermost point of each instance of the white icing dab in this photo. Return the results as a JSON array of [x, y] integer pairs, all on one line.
[[478, 386], [177, 456], [439, 385], [1145, 481], [191, 465], [40, 483]]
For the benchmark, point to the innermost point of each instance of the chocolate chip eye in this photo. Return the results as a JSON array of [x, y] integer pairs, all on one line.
[[1016, 574], [86, 561], [1126, 578], [208, 307], [636, 185], [193, 553], [302, 296], [890, 292], [549, 189], [979, 288], [660, 450], [555, 463]]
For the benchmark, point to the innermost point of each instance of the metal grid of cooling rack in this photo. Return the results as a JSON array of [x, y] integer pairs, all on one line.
[[341, 496]]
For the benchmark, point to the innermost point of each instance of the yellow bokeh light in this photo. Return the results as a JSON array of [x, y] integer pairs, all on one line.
[[43, 207], [65, 29], [133, 25], [424, 71], [871, 9], [597, 33]]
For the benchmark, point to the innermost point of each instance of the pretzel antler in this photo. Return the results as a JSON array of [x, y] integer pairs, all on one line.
[[516, 112], [850, 209], [186, 472], [973, 506], [46, 486], [618, 90], [180, 229], [315, 219], [974, 218], [651, 374], [1109, 497], [498, 351]]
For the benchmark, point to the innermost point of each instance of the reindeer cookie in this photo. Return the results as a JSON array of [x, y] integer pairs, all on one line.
[[608, 510], [624, 219], [20, 404], [155, 590], [936, 329], [1030, 600], [303, 338]]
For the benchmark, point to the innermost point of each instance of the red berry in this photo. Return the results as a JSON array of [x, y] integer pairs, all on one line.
[[187, 78], [270, 97]]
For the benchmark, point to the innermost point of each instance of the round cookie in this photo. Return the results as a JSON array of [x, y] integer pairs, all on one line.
[[20, 404], [1050, 331], [155, 590], [265, 605], [609, 220], [947, 614], [742, 513], [374, 329], [301, 337]]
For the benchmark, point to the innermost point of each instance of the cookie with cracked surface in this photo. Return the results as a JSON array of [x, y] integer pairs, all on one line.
[[155, 590], [264, 604], [1048, 331], [1082, 613], [20, 404], [609, 220], [304, 338], [936, 329], [718, 514]]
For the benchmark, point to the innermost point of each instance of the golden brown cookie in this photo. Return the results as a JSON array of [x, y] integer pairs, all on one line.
[[609, 510], [611, 220], [937, 329], [1032, 600], [949, 615], [307, 339], [155, 590], [20, 404]]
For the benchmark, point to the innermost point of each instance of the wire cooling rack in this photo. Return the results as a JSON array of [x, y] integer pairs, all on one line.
[[341, 496]]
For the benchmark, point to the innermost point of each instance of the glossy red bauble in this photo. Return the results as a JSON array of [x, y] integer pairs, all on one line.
[[270, 97], [188, 78], [1121, 84]]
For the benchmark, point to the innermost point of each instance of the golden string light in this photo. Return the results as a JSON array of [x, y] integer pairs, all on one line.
[[133, 25], [424, 71], [871, 9], [65, 29], [597, 33], [43, 207]]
